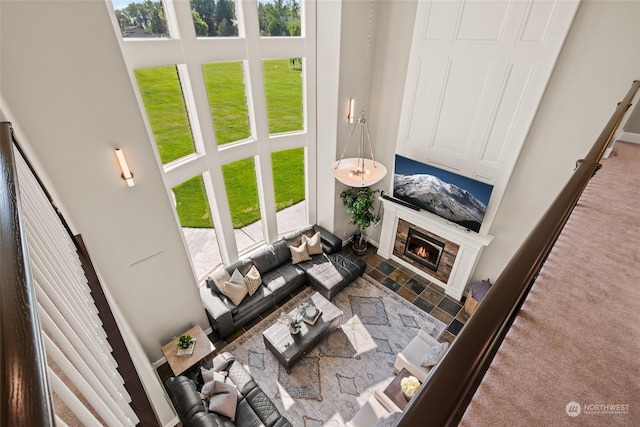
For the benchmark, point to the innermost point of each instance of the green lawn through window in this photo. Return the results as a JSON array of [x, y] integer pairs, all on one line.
[[162, 97]]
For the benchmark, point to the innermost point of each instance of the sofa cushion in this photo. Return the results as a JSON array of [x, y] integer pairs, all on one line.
[[263, 406], [235, 288], [241, 378], [284, 280], [204, 419], [323, 271], [243, 266], [247, 416], [283, 254], [265, 259], [330, 273], [253, 305]]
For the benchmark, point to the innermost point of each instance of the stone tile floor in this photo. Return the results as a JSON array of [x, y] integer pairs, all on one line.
[[414, 288], [421, 292]]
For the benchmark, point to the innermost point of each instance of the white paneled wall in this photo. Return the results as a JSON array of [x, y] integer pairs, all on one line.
[[477, 72], [82, 370]]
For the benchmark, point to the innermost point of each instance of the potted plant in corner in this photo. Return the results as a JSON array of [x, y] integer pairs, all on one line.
[[359, 203]]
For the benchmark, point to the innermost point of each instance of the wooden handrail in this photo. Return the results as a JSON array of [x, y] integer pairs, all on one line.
[[26, 397], [444, 397]]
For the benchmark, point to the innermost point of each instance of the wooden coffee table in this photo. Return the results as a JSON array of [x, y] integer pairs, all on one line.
[[394, 390], [201, 350], [287, 348]]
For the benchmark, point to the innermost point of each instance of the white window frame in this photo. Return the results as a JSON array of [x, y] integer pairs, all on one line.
[[189, 52]]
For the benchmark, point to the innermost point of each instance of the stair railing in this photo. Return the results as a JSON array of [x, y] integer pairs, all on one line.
[[26, 396]]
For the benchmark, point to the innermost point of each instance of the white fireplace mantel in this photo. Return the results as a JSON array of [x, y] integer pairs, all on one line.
[[471, 244]]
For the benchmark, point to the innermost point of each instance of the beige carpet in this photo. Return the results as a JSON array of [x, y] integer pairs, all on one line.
[[328, 386], [572, 357]]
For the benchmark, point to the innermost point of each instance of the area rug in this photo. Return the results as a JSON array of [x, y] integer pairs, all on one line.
[[330, 384]]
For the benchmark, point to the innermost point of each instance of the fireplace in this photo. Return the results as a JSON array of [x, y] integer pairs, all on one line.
[[423, 249], [450, 266]]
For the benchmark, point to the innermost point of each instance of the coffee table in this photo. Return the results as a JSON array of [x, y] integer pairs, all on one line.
[[287, 348], [394, 390], [202, 349]]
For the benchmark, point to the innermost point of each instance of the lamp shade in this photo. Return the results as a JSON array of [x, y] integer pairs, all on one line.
[[358, 172]]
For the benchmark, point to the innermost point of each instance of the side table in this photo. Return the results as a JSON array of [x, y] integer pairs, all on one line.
[[202, 348], [394, 390]]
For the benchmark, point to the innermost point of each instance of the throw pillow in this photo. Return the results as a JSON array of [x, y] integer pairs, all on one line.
[[434, 354], [295, 238], [252, 280], [480, 289], [388, 420], [224, 399], [314, 244], [235, 288], [219, 278], [299, 253], [209, 377]]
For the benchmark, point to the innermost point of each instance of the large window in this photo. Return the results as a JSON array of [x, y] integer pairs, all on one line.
[[283, 91], [279, 18], [288, 182], [165, 106], [229, 125], [192, 205], [227, 100], [141, 18], [214, 18], [242, 193]]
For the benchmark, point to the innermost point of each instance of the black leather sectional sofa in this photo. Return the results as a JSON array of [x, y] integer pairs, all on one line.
[[327, 273], [254, 408]]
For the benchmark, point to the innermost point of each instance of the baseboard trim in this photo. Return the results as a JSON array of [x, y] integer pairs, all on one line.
[[629, 137]]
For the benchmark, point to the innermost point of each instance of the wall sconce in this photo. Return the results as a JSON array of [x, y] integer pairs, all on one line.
[[127, 175], [352, 107]]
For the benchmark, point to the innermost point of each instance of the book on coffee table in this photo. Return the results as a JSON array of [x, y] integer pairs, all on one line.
[[311, 315]]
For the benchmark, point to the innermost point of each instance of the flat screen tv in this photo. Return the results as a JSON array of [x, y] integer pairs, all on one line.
[[454, 197]]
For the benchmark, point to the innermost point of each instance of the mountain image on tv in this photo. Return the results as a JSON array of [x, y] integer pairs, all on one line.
[[454, 197]]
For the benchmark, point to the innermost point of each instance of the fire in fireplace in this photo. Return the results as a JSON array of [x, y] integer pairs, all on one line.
[[424, 249]]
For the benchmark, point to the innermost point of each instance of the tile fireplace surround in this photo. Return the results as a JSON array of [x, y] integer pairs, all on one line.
[[462, 247]]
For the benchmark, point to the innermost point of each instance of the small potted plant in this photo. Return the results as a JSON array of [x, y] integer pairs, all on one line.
[[359, 202], [184, 341], [295, 326]]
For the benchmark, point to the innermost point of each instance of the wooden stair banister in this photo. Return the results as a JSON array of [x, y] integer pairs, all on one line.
[[26, 395]]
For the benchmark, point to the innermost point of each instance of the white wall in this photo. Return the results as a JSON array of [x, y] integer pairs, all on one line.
[[599, 61], [390, 45], [393, 43], [633, 124], [66, 86], [352, 50]]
